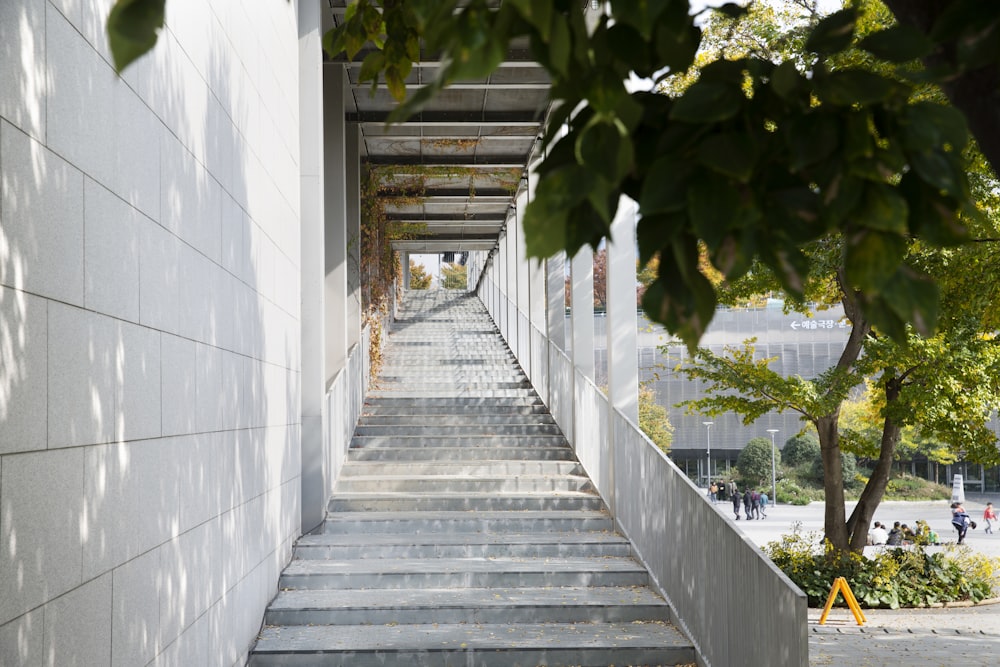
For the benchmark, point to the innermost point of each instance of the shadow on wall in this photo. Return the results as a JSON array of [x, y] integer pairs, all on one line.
[[149, 340]]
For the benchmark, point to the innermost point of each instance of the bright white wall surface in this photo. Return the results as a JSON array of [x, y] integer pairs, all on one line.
[[149, 332]]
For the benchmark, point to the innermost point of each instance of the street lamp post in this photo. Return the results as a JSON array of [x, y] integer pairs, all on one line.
[[708, 455], [774, 477]]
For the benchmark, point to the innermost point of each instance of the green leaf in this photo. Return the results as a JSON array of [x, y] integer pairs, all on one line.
[[545, 226], [854, 87], [604, 148], [132, 29], [834, 33], [371, 67], [941, 170], [810, 139], [907, 298], [732, 10], [626, 43], [676, 50], [898, 44], [872, 257], [932, 216], [657, 231], [713, 205], [664, 189], [731, 154], [537, 13], [708, 102], [560, 45], [882, 208], [724, 71], [786, 80], [685, 304], [926, 125]]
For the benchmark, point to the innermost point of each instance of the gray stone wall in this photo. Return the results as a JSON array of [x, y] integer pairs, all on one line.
[[149, 332]]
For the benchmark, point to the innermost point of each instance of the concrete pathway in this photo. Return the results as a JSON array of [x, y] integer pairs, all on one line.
[[967, 636]]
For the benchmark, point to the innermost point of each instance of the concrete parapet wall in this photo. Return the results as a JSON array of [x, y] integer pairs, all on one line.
[[737, 607]]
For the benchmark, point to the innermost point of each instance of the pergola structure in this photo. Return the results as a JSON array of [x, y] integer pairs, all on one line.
[[468, 148]]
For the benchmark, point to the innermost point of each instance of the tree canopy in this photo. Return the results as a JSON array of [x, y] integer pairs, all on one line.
[[818, 145], [453, 276], [419, 278]]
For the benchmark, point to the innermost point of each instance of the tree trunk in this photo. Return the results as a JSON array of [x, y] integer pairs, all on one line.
[[861, 517], [834, 524], [833, 481]]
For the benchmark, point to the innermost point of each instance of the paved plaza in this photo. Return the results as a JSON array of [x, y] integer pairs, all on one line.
[[967, 635]]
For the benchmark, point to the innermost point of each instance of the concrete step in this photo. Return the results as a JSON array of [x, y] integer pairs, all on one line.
[[462, 484], [483, 645], [462, 530], [380, 501], [467, 468], [422, 421], [405, 573], [460, 403], [468, 605], [466, 393], [484, 452], [462, 545], [418, 413], [458, 441], [467, 522], [437, 430]]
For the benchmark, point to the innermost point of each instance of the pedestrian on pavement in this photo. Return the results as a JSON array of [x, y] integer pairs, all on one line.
[[735, 497], [713, 492], [961, 521], [747, 503], [763, 504], [989, 516], [755, 503]]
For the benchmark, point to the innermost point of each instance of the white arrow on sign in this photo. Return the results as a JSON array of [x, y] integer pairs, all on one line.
[[795, 324]]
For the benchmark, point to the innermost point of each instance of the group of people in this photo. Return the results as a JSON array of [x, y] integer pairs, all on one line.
[[754, 502], [901, 534]]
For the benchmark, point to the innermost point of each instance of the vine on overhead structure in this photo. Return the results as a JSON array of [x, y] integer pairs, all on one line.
[[383, 186]]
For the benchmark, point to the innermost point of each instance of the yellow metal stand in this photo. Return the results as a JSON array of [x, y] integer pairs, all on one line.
[[840, 586]]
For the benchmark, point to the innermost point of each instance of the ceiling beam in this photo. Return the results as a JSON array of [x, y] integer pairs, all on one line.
[[452, 118], [463, 162]]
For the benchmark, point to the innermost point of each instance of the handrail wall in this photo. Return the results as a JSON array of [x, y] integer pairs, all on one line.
[[732, 601]]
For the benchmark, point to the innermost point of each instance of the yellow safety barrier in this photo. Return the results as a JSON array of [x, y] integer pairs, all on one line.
[[840, 586]]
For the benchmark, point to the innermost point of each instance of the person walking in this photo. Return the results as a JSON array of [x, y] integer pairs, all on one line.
[[747, 503], [755, 503], [989, 516], [961, 521], [734, 495], [763, 504]]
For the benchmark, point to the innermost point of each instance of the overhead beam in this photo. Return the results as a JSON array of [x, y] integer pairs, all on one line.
[[448, 195], [452, 118], [463, 86], [470, 162]]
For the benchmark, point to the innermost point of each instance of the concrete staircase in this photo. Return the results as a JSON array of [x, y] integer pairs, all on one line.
[[462, 531]]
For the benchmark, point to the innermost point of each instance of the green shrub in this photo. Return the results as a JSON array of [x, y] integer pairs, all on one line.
[[800, 449], [906, 487], [754, 462], [791, 493], [893, 578], [849, 466]]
